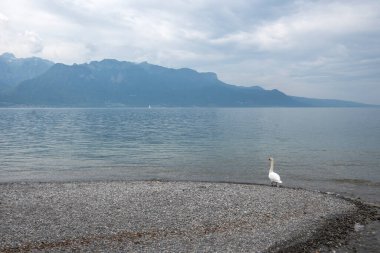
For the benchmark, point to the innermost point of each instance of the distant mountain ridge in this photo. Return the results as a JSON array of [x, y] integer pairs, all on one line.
[[15, 70], [109, 83]]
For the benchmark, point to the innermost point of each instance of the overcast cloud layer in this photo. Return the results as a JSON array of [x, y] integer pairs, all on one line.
[[326, 49]]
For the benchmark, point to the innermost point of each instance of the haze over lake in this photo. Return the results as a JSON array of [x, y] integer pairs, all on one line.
[[332, 149]]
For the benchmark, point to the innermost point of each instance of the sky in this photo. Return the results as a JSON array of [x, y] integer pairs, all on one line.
[[315, 48]]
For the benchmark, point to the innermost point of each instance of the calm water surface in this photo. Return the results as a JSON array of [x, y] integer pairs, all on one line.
[[327, 149]]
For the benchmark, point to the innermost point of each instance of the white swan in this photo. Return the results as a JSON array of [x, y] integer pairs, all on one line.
[[273, 176]]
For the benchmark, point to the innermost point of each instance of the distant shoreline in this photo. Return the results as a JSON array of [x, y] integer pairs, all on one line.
[[196, 215]]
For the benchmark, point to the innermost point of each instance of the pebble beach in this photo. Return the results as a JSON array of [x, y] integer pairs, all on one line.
[[158, 216]]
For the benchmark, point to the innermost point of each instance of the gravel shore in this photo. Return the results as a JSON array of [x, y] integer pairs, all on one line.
[[154, 216]]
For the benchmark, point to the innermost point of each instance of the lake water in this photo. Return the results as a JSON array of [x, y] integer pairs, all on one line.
[[317, 148]]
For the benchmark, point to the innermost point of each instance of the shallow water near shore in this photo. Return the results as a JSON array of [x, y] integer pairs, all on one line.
[[328, 149]]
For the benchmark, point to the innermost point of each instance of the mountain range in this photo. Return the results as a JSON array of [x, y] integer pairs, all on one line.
[[108, 83], [14, 70]]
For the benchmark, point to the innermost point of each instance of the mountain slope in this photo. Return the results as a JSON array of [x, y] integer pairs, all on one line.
[[37, 82], [15, 70], [111, 82], [315, 102]]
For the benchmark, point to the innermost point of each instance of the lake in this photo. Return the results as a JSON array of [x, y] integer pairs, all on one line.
[[329, 149]]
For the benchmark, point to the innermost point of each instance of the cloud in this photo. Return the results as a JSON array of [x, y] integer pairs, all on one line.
[[24, 42], [308, 26], [293, 46], [3, 19], [31, 41]]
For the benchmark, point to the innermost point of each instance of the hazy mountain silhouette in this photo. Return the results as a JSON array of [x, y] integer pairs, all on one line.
[[120, 83], [111, 82], [15, 70]]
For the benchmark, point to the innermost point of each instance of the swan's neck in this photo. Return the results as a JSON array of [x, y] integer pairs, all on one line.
[[271, 166]]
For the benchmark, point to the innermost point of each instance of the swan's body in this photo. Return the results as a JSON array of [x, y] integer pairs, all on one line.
[[273, 176]]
